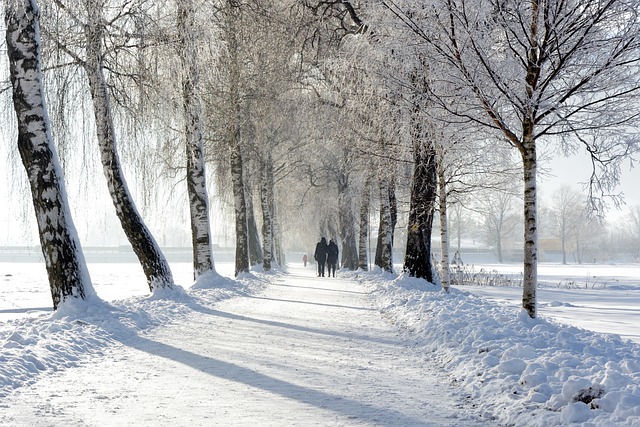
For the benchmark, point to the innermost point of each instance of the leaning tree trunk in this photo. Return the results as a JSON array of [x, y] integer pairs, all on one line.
[[347, 225], [364, 227], [417, 261], [64, 261], [154, 264], [530, 276], [196, 176], [385, 260], [267, 224], [444, 226]]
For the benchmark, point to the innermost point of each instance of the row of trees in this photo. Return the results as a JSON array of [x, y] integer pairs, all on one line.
[[322, 114], [568, 234], [518, 73]]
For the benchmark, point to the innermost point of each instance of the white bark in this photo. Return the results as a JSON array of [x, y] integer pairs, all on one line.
[[154, 264], [267, 224], [232, 14], [444, 225], [530, 277], [364, 227], [535, 69], [64, 260], [384, 233], [196, 177]]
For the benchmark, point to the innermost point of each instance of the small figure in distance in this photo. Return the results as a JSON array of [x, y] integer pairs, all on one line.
[[304, 259], [320, 255], [332, 257]]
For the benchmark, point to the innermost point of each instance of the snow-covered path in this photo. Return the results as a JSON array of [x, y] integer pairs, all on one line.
[[305, 351]]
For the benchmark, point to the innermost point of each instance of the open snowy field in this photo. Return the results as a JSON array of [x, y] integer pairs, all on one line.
[[363, 349], [24, 291], [602, 298]]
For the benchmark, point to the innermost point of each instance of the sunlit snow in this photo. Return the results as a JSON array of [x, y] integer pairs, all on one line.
[[360, 349]]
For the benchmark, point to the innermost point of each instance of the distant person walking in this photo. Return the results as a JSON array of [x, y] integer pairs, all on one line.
[[320, 255], [332, 257], [304, 259]]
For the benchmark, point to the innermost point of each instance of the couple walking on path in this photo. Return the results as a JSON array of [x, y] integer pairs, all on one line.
[[326, 254]]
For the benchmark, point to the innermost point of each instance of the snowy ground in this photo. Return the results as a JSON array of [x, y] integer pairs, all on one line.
[[293, 349], [602, 298]]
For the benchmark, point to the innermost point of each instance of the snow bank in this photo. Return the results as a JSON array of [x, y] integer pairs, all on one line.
[[523, 371], [83, 329]]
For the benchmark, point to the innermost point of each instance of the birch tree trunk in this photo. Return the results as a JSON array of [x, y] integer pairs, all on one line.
[[255, 250], [267, 224], [277, 250], [364, 227], [417, 261], [64, 260], [530, 277], [444, 225], [237, 174], [385, 260], [242, 240], [154, 264], [196, 176]]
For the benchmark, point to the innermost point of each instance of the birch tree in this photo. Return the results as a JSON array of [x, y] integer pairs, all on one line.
[[443, 210], [233, 15], [87, 18], [154, 264], [196, 177], [64, 260], [256, 253], [397, 86], [363, 250], [266, 203], [563, 71]]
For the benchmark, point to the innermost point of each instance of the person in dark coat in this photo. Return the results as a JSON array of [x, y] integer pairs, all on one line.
[[332, 257], [320, 256]]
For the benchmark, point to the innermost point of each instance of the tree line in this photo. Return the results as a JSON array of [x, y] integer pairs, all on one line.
[[311, 117]]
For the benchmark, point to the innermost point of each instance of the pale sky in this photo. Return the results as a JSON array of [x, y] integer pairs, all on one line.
[[576, 170], [13, 230]]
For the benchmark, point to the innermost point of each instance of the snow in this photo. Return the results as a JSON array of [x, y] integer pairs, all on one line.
[[602, 298], [292, 349]]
